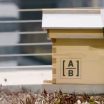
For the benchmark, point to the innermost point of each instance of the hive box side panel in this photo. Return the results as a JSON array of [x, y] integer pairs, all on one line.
[[75, 33], [54, 71], [85, 59]]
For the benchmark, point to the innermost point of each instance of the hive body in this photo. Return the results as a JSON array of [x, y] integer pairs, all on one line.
[[77, 45]]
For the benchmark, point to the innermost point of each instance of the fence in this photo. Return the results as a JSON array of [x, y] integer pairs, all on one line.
[[25, 44]]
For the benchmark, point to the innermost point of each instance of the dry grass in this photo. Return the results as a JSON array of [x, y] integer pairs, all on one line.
[[57, 97]]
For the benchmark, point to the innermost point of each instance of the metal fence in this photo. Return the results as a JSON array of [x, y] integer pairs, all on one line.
[[25, 44]]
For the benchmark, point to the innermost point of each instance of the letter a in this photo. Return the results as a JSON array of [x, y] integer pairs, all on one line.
[[70, 63]]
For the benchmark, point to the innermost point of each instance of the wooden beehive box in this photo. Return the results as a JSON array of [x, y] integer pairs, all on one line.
[[77, 45]]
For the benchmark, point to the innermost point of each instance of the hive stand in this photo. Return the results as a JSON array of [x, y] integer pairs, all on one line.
[[77, 47]]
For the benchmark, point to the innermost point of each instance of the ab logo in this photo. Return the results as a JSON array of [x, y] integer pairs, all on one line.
[[70, 68]]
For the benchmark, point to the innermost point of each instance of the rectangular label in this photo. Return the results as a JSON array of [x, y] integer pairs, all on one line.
[[70, 68]]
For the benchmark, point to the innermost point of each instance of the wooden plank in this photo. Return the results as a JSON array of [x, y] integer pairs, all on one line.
[[67, 51], [53, 60], [95, 11], [91, 54], [68, 33], [84, 56], [54, 50], [54, 81], [75, 30], [54, 76], [54, 70], [80, 42], [72, 48], [89, 70], [78, 47]]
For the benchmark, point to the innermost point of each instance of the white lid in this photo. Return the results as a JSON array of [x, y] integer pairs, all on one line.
[[72, 19]]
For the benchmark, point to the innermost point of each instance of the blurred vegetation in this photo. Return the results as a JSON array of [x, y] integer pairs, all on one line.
[[57, 97]]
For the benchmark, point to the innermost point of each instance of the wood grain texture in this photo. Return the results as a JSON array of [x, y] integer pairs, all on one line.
[[53, 60], [87, 33], [54, 81], [91, 54], [54, 70], [71, 11], [53, 50]]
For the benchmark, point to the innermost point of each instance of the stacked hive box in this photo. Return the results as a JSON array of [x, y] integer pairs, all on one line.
[[77, 45]]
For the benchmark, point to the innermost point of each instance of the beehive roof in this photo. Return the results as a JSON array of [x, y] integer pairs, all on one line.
[[72, 18]]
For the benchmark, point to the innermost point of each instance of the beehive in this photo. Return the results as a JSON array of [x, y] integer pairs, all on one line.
[[77, 45]]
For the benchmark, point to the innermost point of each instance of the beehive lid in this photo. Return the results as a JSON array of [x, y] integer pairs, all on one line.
[[72, 18]]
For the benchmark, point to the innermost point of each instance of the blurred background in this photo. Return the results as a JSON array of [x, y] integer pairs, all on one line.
[[21, 31]]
